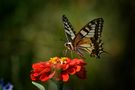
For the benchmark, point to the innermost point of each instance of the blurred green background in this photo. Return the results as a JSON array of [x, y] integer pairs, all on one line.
[[32, 31]]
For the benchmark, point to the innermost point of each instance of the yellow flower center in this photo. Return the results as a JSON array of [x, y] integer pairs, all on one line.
[[63, 60], [56, 60]]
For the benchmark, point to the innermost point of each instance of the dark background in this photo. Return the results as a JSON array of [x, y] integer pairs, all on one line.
[[32, 31]]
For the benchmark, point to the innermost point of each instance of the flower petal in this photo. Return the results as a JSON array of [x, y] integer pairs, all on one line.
[[65, 77], [44, 77], [71, 71], [32, 77], [65, 66], [52, 74], [78, 68]]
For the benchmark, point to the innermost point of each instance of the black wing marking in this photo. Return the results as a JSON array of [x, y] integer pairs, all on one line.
[[69, 32], [92, 29]]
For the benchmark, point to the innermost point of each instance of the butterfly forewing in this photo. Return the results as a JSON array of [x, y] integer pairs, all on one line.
[[91, 30], [70, 33]]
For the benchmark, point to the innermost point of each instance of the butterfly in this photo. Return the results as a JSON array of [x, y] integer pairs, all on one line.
[[88, 39]]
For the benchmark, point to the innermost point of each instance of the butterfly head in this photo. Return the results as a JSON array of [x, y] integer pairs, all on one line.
[[69, 45]]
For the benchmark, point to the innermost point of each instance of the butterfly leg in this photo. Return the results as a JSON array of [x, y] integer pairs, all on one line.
[[71, 54], [65, 52]]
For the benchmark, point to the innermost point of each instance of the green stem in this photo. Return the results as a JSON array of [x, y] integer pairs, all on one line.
[[60, 85]]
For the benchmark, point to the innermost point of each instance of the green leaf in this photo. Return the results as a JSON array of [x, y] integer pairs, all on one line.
[[41, 87]]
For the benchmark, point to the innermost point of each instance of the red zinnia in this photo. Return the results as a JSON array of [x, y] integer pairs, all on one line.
[[58, 69]]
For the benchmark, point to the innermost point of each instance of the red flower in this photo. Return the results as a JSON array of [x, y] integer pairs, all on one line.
[[58, 69], [75, 66], [42, 71]]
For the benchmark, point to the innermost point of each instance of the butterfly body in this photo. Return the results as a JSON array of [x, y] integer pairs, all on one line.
[[87, 39]]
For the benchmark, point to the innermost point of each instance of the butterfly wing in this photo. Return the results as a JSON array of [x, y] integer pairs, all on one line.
[[69, 32], [89, 38]]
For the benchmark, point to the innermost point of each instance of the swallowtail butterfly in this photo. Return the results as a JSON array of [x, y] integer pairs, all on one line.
[[87, 39]]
